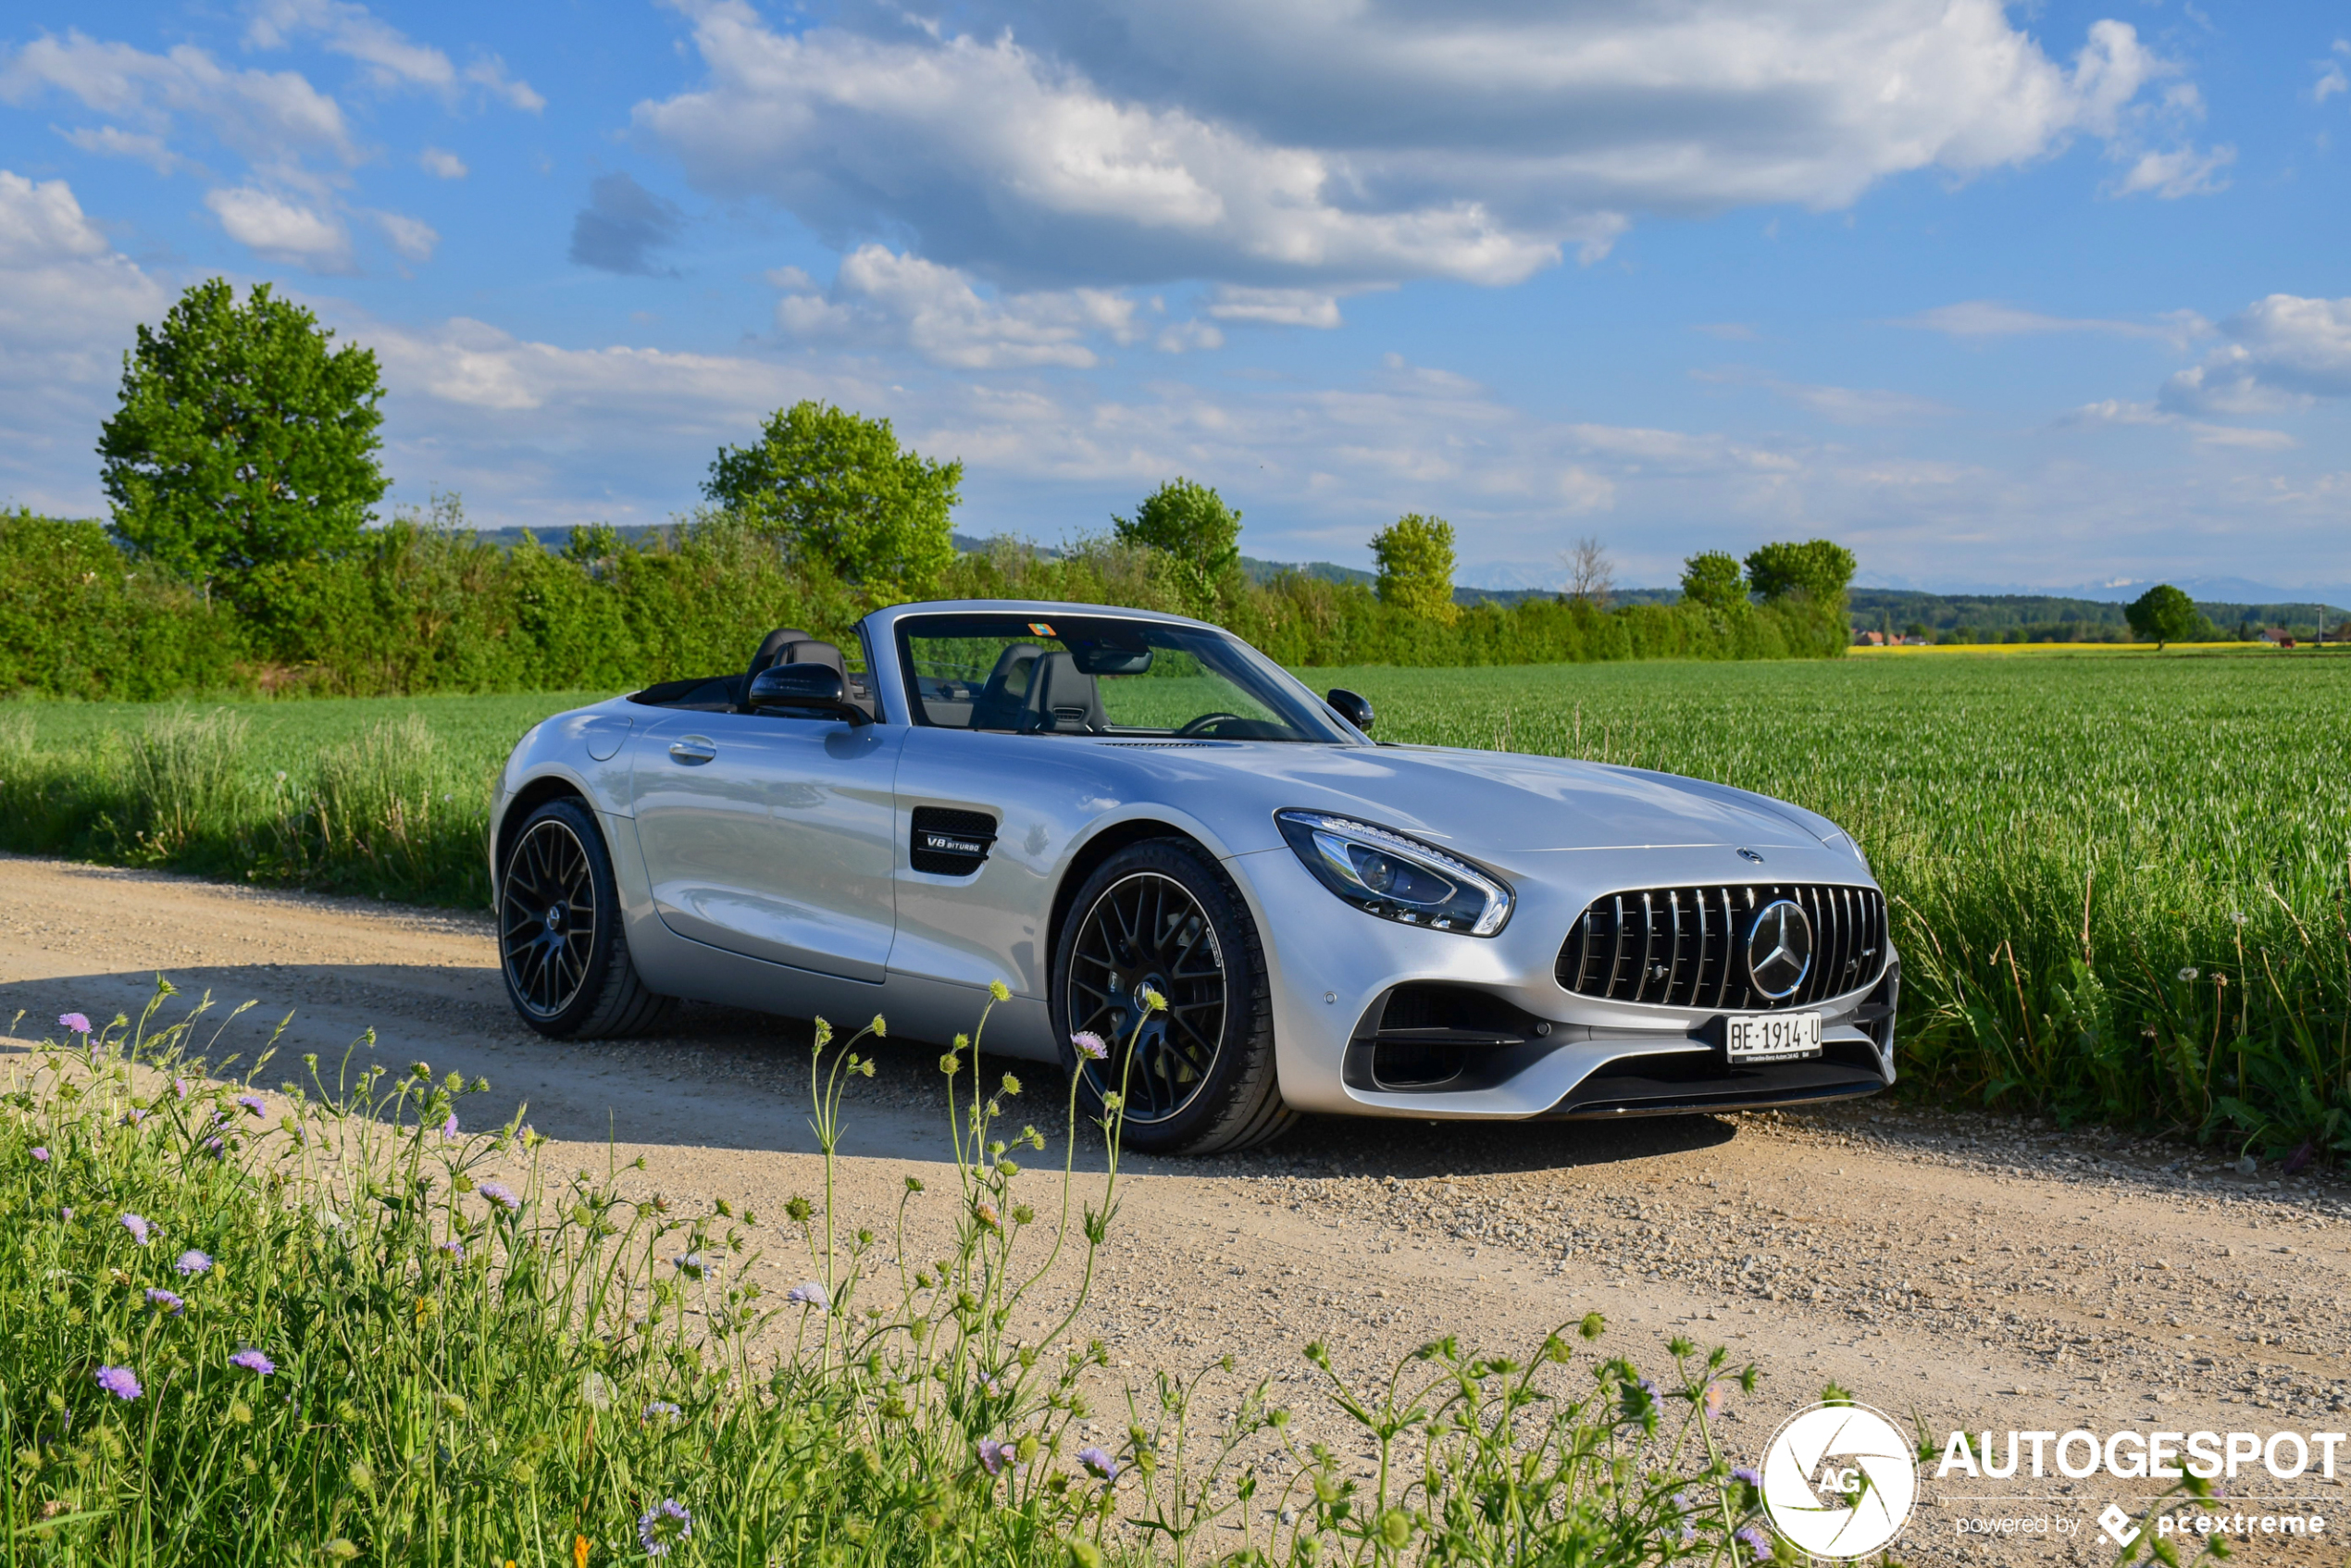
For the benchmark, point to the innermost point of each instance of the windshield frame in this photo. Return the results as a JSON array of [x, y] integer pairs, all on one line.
[[1263, 681]]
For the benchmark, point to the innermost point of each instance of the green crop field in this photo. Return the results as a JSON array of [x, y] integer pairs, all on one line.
[[2119, 882]]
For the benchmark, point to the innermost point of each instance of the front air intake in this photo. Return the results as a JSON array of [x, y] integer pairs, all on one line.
[[1686, 947]]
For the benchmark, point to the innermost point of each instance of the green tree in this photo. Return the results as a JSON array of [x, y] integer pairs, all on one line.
[[1819, 570], [1191, 526], [244, 440], [2163, 614], [837, 489], [1713, 577], [1415, 555]]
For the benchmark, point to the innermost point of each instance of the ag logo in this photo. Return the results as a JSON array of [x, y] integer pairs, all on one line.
[[1839, 1480]]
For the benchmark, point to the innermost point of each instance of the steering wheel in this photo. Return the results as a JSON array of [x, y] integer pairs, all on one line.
[[1197, 726]]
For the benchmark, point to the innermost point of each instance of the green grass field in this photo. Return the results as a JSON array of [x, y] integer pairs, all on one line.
[[2119, 882]]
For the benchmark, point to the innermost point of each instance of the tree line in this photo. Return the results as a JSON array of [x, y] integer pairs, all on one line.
[[243, 470]]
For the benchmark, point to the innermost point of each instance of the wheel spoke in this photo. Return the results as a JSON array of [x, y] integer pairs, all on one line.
[[547, 917], [1148, 930]]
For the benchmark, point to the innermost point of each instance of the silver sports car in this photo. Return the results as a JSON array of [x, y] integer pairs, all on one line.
[[1090, 803]]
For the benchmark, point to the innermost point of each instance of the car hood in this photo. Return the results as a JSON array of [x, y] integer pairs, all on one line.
[[1500, 806]]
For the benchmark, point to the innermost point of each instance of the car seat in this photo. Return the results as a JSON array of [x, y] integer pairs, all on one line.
[[1062, 699], [1000, 702]]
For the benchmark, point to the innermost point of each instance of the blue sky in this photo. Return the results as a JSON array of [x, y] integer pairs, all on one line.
[[2042, 295]]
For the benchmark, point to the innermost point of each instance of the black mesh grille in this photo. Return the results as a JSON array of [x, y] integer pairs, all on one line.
[[949, 844], [1686, 947]]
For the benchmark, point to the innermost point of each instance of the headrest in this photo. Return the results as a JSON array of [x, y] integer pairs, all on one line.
[[774, 643]]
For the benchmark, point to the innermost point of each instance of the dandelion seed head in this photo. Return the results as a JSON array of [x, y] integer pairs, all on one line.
[[2190, 974]]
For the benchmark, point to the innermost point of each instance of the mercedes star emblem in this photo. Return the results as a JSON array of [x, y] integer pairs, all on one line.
[[1779, 949]]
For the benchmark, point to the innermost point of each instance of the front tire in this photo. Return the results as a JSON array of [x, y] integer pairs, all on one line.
[[560, 945], [1199, 1077]]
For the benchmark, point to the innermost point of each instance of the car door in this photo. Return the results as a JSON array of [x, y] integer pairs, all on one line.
[[771, 837]]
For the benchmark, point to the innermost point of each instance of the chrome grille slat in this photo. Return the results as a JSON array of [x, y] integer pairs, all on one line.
[[1692, 934]]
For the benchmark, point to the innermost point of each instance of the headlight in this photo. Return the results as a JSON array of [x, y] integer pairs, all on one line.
[[1395, 877]]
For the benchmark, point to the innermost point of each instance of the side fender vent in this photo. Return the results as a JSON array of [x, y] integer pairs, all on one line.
[[951, 843]]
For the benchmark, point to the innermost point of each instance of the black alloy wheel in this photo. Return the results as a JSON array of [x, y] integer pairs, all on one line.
[[1196, 1074], [560, 945], [1146, 932], [547, 917]]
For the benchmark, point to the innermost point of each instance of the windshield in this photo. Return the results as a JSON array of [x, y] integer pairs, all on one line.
[[1079, 675]]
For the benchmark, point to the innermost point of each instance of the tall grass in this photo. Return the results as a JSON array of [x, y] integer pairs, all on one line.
[[339, 1326], [2118, 885]]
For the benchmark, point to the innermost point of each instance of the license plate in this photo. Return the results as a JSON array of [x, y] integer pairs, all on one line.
[[1773, 1036]]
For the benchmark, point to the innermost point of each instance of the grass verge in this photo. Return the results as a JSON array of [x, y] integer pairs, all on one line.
[[336, 1328]]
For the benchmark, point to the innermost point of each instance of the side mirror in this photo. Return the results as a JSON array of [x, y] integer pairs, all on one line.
[[804, 691], [1352, 707]]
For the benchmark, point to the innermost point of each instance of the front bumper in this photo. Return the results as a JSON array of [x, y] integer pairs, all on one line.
[[1493, 1035]]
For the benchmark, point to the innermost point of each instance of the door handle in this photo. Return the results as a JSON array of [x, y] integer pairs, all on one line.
[[692, 750]]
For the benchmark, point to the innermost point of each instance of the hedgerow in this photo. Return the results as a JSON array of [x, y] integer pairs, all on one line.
[[424, 606]]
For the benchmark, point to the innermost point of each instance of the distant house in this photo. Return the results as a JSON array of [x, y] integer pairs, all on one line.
[[2277, 639], [1868, 638]]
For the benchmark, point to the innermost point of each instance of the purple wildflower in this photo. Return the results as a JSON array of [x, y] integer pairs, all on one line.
[[66, 1213], [76, 1024], [661, 1410], [136, 1226], [134, 1116], [1749, 1476], [663, 1524], [166, 1299], [41, 1154], [454, 1250], [254, 1104], [499, 1195], [253, 1361], [214, 1148], [693, 1265], [994, 1456], [1753, 1536], [119, 1381], [1098, 1463], [808, 1293], [449, 1129], [192, 1262], [180, 1088], [1089, 1045]]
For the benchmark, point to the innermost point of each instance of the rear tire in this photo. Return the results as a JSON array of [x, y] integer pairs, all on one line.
[[1200, 1079], [560, 945]]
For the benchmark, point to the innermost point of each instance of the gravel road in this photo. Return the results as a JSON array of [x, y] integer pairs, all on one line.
[[1964, 1270]]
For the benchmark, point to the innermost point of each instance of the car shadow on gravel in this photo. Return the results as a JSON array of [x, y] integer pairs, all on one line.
[[720, 1076]]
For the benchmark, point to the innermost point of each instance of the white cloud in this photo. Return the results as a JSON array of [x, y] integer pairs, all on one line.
[[2285, 351], [392, 59], [2117, 411], [882, 299], [1276, 307], [271, 118], [412, 237], [1990, 319], [1279, 147], [113, 142], [1842, 406], [2330, 78], [1183, 337], [280, 228], [69, 305], [441, 164], [2183, 171]]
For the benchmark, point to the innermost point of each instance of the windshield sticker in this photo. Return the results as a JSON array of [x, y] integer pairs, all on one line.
[[1040, 628]]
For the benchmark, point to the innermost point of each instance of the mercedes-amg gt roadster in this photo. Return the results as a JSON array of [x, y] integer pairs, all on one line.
[[1090, 803]]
